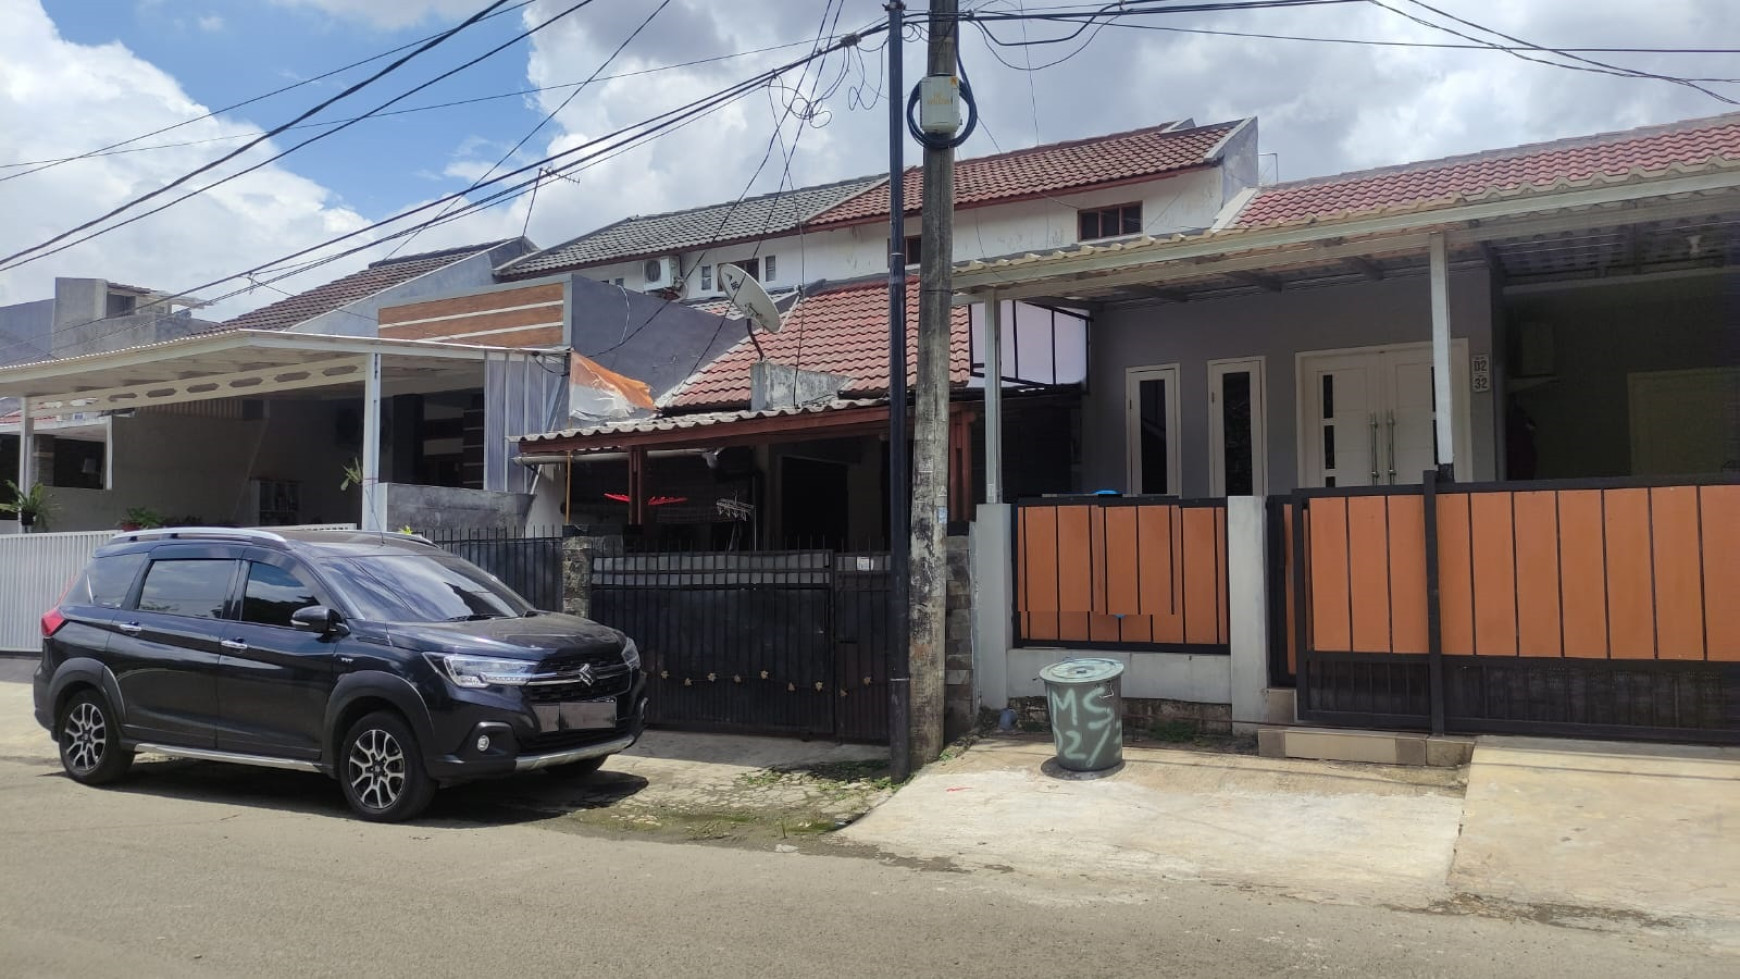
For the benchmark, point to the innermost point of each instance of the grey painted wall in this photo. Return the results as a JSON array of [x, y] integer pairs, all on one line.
[[1276, 326], [24, 331], [1602, 333], [432, 508], [359, 319]]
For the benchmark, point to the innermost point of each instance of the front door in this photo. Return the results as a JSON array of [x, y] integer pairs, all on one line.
[[1367, 415], [274, 680]]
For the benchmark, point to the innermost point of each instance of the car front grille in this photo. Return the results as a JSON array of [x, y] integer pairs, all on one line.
[[595, 674]]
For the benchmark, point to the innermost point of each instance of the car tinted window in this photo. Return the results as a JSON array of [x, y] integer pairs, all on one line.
[[107, 581], [197, 587], [421, 588], [273, 595]]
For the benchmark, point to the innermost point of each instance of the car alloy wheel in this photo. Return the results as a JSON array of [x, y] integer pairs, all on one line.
[[376, 769], [85, 737]]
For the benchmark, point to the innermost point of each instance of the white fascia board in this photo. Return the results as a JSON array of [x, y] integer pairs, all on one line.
[[1024, 277]]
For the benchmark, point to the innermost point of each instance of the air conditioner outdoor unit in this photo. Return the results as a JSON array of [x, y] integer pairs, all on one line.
[[661, 273]]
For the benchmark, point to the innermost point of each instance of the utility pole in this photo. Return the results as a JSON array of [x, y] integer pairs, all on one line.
[[929, 589], [899, 482]]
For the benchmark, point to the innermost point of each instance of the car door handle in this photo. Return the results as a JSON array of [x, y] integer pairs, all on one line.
[[131, 628], [234, 644]]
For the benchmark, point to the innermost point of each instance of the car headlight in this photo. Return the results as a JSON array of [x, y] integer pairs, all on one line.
[[483, 671], [630, 653]]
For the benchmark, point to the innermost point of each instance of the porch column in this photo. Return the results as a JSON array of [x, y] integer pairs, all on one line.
[[26, 445], [1441, 376], [993, 398], [637, 485], [374, 497]]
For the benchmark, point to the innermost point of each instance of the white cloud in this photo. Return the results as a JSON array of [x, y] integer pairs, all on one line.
[[59, 99], [211, 23], [391, 14]]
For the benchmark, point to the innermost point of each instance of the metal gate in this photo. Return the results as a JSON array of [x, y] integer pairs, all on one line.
[[530, 565], [1587, 609], [791, 642]]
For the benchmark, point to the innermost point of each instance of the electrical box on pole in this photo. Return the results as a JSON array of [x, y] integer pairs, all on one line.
[[939, 105]]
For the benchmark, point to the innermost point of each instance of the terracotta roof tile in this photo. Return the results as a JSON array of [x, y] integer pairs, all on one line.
[[1522, 168], [1051, 168], [378, 277], [844, 331]]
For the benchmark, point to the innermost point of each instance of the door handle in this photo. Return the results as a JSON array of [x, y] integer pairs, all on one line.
[[1392, 448], [234, 644], [1374, 452], [131, 628]]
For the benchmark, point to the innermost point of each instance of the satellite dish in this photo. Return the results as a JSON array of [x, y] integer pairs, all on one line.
[[749, 297]]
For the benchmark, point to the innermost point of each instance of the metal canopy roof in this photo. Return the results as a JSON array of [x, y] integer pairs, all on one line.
[[242, 363]]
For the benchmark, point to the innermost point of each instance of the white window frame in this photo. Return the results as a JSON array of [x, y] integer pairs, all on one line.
[[1257, 367], [1133, 378]]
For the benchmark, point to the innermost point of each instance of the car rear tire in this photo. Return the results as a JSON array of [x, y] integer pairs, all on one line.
[[90, 740], [380, 767], [578, 770]]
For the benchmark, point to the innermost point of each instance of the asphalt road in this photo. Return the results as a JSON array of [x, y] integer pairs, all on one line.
[[193, 869]]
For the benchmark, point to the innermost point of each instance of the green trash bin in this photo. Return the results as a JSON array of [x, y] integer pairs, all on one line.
[[1085, 701]]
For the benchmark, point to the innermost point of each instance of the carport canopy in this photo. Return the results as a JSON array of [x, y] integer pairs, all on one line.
[[248, 364]]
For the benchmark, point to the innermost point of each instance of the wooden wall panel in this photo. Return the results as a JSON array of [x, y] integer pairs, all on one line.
[[1583, 573], [1539, 632]]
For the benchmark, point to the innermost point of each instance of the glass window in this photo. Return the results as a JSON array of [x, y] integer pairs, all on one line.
[[107, 581], [707, 278], [1237, 447], [273, 595], [750, 266], [1156, 460], [1110, 222], [197, 588], [767, 269], [421, 588]]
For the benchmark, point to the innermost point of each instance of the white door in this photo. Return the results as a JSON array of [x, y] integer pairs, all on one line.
[[1685, 422], [1151, 429], [1367, 415], [1237, 428]]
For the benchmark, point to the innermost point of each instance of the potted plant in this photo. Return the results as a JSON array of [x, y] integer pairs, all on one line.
[[140, 518], [29, 509]]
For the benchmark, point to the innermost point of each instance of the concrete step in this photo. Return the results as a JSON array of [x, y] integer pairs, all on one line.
[[1373, 747]]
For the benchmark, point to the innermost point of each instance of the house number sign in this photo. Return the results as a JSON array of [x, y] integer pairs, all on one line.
[[1481, 373]]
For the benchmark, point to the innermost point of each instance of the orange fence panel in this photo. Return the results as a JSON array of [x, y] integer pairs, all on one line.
[[1537, 574], [1491, 538], [1331, 621], [1123, 576], [1630, 606], [1407, 574], [1201, 578], [1075, 559], [1455, 576], [1154, 568], [1679, 601], [1719, 520], [1368, 574], [1583, 574], [1036, 579]]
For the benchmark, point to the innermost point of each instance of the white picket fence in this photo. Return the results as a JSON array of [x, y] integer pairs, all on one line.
[[35, 570]]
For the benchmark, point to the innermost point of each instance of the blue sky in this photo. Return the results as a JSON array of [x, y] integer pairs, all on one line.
[[223, 51]]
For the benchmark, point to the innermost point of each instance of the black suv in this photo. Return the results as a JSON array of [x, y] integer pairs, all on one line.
[[378, 659]]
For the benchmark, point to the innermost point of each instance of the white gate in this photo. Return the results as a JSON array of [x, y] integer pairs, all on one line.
[[35, 570]]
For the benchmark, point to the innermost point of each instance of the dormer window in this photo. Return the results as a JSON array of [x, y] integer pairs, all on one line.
[[1110, 222], [122, 304]]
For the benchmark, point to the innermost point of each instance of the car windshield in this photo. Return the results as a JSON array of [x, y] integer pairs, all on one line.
[[421, 588]]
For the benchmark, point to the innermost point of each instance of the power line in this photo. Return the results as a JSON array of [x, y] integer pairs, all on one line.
[[642, 131], [247, 170], [111, 150], [41, 165], [184, 178], [550, 115]]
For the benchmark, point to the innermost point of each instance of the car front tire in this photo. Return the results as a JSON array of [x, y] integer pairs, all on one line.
[[380, 768], [90, 740]]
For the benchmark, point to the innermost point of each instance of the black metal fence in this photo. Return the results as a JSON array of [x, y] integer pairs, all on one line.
[[529, 562], [786, 642]]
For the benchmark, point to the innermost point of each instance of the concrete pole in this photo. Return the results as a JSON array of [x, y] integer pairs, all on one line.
[[1442, 378], [929, 594], [26, 448], [374, 510], [993, 398]]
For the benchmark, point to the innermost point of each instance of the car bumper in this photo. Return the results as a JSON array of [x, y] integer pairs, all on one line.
[[518, 740]]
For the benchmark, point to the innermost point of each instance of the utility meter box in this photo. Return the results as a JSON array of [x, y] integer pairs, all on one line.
[[939, 104]]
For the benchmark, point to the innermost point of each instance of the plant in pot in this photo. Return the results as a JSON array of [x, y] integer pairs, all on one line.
[[30, 509], [140, 518]]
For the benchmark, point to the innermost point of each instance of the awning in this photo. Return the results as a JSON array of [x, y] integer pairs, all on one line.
[[241, 364], [718, 429]]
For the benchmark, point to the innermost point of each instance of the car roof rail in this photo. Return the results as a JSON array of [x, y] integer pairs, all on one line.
[[199, 533]]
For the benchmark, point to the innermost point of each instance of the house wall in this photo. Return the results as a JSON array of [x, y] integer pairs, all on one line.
[[434, 508], [1276, 326], [24, 331], [359, 318], [1601, 334], [1176, 203]]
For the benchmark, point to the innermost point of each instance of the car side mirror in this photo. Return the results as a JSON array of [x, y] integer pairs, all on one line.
[[317, 618]]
